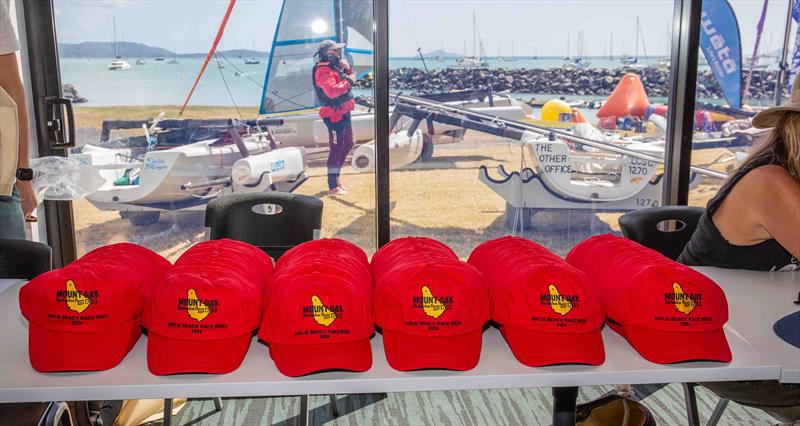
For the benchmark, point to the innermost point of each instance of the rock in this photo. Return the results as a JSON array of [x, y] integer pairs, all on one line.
[[71, 93]]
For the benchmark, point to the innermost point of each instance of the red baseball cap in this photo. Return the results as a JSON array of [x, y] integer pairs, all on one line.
[[200, 322], [81, 317], [335, 245], [133, 259], [546, 309], [667, 311], [432, 314], [250, 261], [408, 250], [317, 320]]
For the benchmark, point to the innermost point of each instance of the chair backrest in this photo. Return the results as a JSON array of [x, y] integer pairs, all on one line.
[[273, 221], [642, 226], [24, 259]]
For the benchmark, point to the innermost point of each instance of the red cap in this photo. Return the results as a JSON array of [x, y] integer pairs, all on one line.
[[432, 315], [667, 311], [547, 311], [317, 321], [251, 262], [81, 317], [135, 259], [335, 245], [200, 322]]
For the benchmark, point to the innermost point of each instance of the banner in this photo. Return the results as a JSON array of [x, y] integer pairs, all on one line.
[[796, 55], [721, 45]]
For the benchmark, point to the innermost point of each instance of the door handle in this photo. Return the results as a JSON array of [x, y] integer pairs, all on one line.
[[61, 132]]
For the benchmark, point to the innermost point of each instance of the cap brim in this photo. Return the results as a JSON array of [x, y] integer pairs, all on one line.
[[300, 359], [51, 350], [772, 116], [788, 329], [539, 348], [411, 352], [168, 355], [667, 347]]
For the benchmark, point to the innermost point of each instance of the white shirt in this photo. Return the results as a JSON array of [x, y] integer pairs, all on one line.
[[8, 38]]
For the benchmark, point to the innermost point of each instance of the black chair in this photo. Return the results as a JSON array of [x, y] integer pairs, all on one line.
[[24, 259], [642, 226], [273, 221]]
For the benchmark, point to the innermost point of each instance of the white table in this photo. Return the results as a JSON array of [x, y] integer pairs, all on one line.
[[258, 376], [755, 301]]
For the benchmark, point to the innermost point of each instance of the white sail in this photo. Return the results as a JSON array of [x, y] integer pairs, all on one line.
[[301, 27]]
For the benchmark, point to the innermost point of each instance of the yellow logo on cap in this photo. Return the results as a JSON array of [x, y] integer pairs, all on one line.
[[322, 315], [75, 300], [558, 303], [432, 306], [682, 301], [196, 309]]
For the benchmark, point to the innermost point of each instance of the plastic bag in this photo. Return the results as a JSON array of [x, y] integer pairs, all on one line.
[[64, 178]]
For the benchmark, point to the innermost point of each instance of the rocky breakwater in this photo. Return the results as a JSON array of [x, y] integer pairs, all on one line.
[[558, 81], [71, 93]]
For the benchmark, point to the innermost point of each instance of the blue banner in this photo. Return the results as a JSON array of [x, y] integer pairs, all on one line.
[[721, 45], [796, 55]]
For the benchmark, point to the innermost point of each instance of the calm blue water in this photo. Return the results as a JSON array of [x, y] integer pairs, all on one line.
[[161, 83]]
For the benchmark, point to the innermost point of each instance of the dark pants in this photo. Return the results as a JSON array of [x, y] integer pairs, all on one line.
[[12, 222], [340, 146]]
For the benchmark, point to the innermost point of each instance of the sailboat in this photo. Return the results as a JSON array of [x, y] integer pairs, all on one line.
[[117, 63], [579, 61], [252, 60], [174, 59], [628, 61], [141, 61], [512, 58], [476, 60]]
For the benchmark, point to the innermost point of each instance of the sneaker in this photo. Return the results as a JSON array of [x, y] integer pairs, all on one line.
[[337, 191], [342, 187]]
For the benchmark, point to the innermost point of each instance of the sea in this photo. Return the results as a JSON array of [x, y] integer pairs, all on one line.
[[163, 83]]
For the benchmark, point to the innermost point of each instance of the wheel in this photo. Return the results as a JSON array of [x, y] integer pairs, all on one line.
[[427, 147], [141, 218], [519, 218]]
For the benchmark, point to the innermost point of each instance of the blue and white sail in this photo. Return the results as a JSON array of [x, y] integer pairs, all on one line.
[[288, 85]]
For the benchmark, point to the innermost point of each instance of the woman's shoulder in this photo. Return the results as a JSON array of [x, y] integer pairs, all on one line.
[[769, 177]]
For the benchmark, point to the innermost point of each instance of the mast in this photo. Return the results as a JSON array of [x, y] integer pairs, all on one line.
[[115, 37], [784, 67], [611, 48], [636, 30], [754, 58], [568, 43], [474, 36]]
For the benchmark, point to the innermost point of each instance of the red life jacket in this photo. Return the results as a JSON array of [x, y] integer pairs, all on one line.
[[333, 90]]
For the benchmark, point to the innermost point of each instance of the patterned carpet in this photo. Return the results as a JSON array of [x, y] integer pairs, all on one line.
[[530, 406]]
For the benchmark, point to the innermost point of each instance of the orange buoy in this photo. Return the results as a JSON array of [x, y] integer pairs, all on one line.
[[577, 116], [628, 99]]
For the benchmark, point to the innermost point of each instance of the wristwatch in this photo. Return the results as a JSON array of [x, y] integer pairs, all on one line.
[[24, 174]]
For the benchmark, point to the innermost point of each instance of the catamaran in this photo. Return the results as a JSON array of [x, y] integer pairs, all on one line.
[[478, 52], [117, 63], [579, 61]]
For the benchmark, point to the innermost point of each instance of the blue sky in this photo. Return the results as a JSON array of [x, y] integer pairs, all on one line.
[[542, 25]]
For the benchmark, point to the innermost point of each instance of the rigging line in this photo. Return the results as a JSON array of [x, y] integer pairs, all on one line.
[[275, 93], [410, 26], [239, 70], [224, 81]]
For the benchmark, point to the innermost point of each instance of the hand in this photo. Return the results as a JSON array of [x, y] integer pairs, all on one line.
[[351, 77], [344, 64], [27, 197]]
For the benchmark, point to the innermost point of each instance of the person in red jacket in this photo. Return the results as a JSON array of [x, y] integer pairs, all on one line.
[[333, 79]]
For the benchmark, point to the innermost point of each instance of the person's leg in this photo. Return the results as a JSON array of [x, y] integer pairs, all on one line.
[[12, 222], [337, 153], [347, 144], [333, 153]]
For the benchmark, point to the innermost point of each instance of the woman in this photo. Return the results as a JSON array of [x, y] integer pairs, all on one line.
[[754, 223], [754, 220]]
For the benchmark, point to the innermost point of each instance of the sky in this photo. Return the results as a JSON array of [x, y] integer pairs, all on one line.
[[533, 26]]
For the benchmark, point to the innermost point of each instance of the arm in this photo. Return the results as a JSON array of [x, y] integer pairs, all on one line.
[[779, 206], [326, 79], [11, 82]]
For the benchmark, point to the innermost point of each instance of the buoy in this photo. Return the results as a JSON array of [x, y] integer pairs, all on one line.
[[556, 110], [628, 99], [577, 116]]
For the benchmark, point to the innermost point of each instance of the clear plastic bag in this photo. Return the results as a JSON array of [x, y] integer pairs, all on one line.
[[64, 178]]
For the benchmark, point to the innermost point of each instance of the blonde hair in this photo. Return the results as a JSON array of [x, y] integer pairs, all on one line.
[[783, 142]]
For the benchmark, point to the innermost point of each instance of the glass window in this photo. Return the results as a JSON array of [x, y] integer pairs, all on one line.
[[130, 66], [574, 71], [731, 86]]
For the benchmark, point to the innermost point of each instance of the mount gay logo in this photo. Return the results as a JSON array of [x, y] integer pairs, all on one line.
[[197, 309], [76, 300], [433, 306], [323, 315], [560, 303], [683, 302]]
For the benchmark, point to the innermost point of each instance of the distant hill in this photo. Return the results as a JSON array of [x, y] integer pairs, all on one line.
[[438, 52], [105, 49]]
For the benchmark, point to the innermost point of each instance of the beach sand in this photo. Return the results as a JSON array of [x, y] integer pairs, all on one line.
[[441, 198]]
